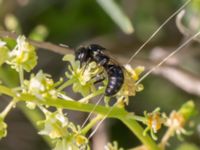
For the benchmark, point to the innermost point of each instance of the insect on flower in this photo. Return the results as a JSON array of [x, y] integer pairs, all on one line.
[[118, 76], [122, 80]]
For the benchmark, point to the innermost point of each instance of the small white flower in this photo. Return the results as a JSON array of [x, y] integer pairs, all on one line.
[[177, 122], [62, 119], [2, 43], [35, 84]]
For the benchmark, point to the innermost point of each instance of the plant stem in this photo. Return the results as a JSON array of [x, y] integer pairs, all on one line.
[[139, 118], [91, 124], [7, 91], [138, 131], [21, 75], [166, 137], [96, 93], [8, 108], [127, 118], [66, 84]]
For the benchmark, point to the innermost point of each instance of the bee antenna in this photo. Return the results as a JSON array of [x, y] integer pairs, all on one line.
[[161, 26], [88, 117], [63, 45], [170, 55]]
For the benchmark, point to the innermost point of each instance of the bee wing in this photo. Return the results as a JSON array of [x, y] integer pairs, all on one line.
[[112, 60]]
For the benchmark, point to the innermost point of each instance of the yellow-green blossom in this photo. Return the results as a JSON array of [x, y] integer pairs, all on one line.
[[66, 135], [154, 122], [84, 77], [23, 55], [129, 87], [112, 146], [177, 119], [3, 128], [40, 85]]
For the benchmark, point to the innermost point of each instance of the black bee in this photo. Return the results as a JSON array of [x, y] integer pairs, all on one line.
[[114, 71]]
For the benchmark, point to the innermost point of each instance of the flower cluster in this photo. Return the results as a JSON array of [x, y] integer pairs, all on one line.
[[178, 119], [65, 134], [129, 87], [62, 131], [154, 122], [23, 56], [3, 128], [83, 77], [40, 85], [175, 122]]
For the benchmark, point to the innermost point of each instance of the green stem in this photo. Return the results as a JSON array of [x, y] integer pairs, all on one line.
[[121, 114], [98, 92], [138, 131], [8, 108], [21, 75], [139, 118], [91, 124], [7, 91], [127, 118], [166, 137], [66, 84]]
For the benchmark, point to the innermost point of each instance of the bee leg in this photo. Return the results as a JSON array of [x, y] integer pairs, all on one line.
[[99, 77], [85, 66], [99, 80], [103, 62]]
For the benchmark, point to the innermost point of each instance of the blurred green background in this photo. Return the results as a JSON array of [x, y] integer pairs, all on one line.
[[121, 26]]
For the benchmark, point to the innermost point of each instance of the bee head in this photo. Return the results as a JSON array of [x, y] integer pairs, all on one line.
[[82, 54], [95, 47]]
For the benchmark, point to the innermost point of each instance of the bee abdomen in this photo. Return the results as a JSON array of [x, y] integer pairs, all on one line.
[[115, 79]]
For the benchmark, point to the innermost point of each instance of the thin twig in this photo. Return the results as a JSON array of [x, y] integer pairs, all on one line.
[[183, 79], [44, 45]]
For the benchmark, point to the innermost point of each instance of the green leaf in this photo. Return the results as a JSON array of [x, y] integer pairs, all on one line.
[[3, 54], [10, 43], [9, 76], [117, 15], [39, 33], [188, 109]]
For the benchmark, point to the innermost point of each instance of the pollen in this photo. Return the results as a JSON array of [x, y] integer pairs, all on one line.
[[134, 72], [81, 140], [176, 120], [154, 121]]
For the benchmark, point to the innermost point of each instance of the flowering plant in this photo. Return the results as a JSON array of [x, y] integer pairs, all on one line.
[[41, 92]]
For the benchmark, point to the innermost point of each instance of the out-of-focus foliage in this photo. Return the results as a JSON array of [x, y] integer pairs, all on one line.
[[74, 22]]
